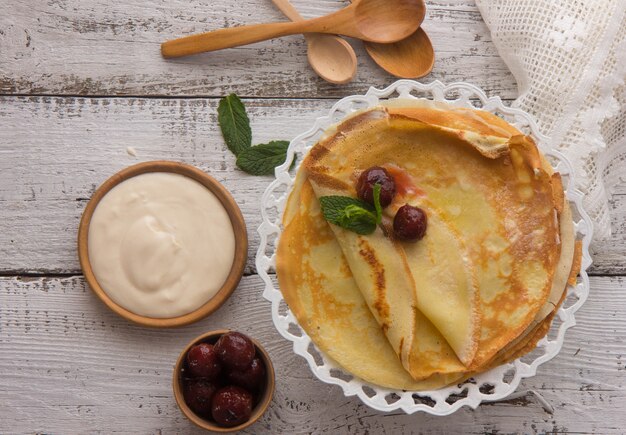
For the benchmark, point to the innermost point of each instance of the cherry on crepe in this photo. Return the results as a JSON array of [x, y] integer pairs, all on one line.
[[369, 178], [410, 223]]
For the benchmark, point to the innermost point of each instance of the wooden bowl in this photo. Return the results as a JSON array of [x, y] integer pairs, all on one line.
[[236, 218], [257, 411]]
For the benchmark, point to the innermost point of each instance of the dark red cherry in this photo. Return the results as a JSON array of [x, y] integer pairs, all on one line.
[[203, 362], [250, 378], [198, 395], [369, 178], [235, 350], [231, 406], [410, 223]]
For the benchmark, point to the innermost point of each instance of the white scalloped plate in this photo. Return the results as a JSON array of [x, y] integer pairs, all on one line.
[[493, 385]]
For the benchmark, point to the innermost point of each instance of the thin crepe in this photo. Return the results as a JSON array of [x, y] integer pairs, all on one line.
[[320, 290], [453, 201], [489, 188], [317, 285]]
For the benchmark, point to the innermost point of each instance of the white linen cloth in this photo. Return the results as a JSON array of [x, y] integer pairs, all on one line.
[[569, 60]]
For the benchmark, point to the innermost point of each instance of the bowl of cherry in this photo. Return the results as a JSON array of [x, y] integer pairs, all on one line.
[[223, 381]]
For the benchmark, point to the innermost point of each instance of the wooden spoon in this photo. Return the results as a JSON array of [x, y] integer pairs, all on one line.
[[330, 56], [409, 58], [370, 20]]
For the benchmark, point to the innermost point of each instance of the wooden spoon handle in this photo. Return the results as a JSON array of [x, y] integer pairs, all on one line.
[[227, 38], [287, 8]]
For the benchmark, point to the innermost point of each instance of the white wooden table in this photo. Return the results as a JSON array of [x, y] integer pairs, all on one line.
[[80, 81]]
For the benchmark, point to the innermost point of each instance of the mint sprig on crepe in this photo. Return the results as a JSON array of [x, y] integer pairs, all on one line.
[[235, 125], [377, 206], [351, 213]]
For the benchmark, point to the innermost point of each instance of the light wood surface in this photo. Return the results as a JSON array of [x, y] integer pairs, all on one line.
[[93, 371], [57, 150], [82, 80], [100, 48]]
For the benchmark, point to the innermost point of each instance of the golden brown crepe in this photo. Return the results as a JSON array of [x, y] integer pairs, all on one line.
[[479, 288], [322, 293]]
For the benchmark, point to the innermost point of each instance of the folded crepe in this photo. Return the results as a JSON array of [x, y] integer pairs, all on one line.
[[479, 288], [320, 289]]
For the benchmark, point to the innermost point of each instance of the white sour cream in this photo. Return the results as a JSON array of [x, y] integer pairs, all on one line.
[[161, 244]]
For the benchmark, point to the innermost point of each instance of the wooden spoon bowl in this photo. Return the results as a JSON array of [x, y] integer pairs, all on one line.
[[388, 20], [409, 58], [331, 57]]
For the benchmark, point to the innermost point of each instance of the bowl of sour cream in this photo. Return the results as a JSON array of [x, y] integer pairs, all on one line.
[[162, 244]]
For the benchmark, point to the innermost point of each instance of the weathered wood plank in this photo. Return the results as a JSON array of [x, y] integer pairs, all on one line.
[[69, 365], [99, 47], [55, 151]]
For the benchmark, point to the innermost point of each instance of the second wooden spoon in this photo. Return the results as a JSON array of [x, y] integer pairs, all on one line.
[[330, 56], [409, 58]]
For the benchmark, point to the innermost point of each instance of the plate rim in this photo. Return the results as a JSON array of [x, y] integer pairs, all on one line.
[[469, 95]]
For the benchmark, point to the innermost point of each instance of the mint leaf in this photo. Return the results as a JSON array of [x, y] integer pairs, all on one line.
[[379, 209], [333, 206], [234, 123], [358, 220], [349, 213], [262, 159]]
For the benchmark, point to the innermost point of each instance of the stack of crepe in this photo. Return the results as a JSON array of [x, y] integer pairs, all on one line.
[[480, 289]]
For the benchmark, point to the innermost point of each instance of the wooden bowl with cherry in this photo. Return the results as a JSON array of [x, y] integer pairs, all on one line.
[[223, 381]]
